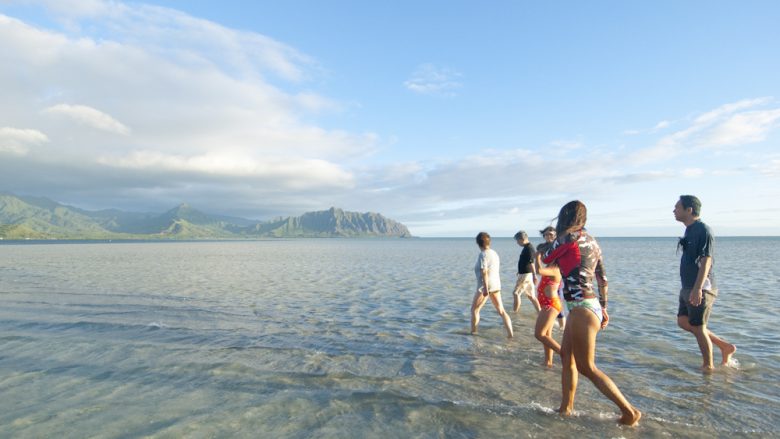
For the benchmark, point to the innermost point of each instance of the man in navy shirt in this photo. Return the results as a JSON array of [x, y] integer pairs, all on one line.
[[526, 273], [698, 291]]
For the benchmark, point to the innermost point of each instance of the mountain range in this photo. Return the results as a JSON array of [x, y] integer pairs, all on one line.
[[41, 218]]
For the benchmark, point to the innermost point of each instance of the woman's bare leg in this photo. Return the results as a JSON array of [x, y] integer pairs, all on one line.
[[584, 326], [543, 332], [568, 374]]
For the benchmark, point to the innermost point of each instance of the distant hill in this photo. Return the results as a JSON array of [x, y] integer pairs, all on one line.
[[330, 223], [41, 218]]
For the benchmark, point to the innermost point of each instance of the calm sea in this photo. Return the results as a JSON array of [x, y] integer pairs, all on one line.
[[360, 338]]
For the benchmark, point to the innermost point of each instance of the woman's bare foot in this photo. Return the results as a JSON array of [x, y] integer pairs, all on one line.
[[547, 365], [727, 353], [565, 412], [631, 418]]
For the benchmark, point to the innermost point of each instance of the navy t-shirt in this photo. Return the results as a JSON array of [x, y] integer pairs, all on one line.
[[526, 257], [697, 242]]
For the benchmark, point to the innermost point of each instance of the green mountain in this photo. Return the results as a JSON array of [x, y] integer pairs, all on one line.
[[330, 223], [41, 218]]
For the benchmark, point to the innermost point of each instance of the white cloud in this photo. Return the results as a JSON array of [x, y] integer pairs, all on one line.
[[692, 172], [189, 99], [567, 145], [18, 141], [770, 167], [318, 173], [429, 79], [728, 125], [747, 127], [728, 109], [89, 116], [658, 127], [661, 125], [78, 8], [174, 34]]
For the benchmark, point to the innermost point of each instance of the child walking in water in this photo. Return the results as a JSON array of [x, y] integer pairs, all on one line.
[[487, 270], [551, 308]]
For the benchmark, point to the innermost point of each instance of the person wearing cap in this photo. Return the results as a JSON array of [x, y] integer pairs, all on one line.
[[526, 272]]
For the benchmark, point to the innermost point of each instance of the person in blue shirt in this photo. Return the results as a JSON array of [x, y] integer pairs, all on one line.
[[698, 292]]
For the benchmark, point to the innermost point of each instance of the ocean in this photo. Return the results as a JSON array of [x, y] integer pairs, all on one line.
[[337, 338]]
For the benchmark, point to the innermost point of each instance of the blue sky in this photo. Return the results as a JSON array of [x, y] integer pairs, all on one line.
[[451, 117]]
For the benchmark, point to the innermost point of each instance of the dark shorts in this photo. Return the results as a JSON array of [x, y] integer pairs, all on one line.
[[697, 315]]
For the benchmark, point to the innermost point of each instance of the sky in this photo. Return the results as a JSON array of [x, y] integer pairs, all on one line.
[[452, 117]]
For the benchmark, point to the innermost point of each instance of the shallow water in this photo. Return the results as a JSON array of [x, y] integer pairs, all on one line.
[[359, 338]]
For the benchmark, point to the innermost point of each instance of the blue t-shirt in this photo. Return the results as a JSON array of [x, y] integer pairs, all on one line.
[[697, 243]]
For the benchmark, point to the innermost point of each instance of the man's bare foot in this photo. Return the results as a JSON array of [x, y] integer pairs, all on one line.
[[565, 412], [707, 369], [632, 418], [547, 365], [727, 353]]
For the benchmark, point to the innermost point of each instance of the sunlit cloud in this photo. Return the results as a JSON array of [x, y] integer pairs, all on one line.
[[658, 127], [318, 172], [179, 36], [743, 128], [18, 141], [770, 167], [661, 125], [429, 79], [90, 117], [733, 124], [139, 99], [566, 145], [692, 172]]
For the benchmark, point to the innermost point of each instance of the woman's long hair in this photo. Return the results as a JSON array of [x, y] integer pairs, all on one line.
[[571, 218]]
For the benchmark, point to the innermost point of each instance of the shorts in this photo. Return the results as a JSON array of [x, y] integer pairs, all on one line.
[[524, 285], [590, 304], [482, 290], [544, 301], [697, 315]]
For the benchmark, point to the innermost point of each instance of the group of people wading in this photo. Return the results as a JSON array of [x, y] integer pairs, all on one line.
[[567, 262]]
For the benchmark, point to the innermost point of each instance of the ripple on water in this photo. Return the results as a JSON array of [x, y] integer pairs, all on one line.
[[334, 338]]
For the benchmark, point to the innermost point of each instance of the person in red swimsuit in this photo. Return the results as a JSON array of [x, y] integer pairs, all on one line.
[[549, 235], [551, 307]]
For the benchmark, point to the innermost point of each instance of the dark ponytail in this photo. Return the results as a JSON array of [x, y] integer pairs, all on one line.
[[571, 218]]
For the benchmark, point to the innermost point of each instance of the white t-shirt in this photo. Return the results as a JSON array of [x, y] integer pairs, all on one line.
[[488, 259]]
